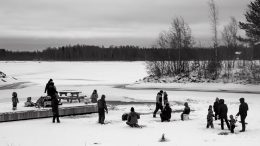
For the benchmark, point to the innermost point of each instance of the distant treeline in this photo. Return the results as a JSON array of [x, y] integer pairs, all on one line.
[[129, 53]]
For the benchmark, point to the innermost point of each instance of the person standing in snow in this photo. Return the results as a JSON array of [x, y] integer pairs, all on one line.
[[102, 107], [94, 96], [243, 108], [132, 119], [223, 110], [210, 117], [166, 113], [216, 108], [54, 102], [47, 87], [14, 100], [232, 123], [158, 103], [165, 98], [186, 110]]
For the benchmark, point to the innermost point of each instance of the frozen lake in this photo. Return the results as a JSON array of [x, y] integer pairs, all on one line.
[[30, 79]]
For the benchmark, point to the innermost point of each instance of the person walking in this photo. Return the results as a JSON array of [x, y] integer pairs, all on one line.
[[94, 96], [54, 102], [223, 110], [132, 119], [15, 100], [216, 108], [166, 113], [102, 108], [243, 108], [158, 103]]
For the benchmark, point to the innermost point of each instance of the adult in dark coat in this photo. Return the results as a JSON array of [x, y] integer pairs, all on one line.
[[216, 108], [223, 110], [54, 102], [158, 103], [47, 87], [166, 113], [132, 119], [243, 108], [186, 110], [102, 107], [165, 98]]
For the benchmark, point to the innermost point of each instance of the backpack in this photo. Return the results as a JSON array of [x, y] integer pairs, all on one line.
[[124, 117]]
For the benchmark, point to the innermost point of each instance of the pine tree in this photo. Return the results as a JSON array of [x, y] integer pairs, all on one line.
[[252, 26]]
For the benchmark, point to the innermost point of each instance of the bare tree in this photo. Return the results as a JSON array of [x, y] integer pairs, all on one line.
[[229, 34], [177, 37]]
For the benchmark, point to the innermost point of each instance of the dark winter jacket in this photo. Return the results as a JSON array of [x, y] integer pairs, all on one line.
[[133, 118], [165, 98], [216, 107], [55, 105], [102, 104], [243, 108], [15, 100], [210, 116], [52, 91], [159, 98], [186, 110], [223, 110], [232, 122], [47, 88], [166, 112]]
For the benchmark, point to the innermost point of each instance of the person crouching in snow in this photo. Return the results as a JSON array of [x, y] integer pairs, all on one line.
[[166, 113], [15, 100], [185, 111], [132, 119], [94, 96], [210, 117], [232, 123]]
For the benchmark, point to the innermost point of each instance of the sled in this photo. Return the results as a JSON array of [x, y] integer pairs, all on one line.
[[245, 122]]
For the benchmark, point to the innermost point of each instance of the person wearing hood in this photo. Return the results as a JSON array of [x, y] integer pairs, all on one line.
[[47, 87], [223, 110], [94, 96], [54, 102], [158, 103], [166, 113], [216, 108], [102, 107], [243, 108], [185, 111], [132, 119]]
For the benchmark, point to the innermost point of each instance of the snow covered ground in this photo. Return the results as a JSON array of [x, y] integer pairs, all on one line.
[[83, 130]]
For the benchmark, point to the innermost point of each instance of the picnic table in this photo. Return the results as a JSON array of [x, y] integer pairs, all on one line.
[[70, 95]]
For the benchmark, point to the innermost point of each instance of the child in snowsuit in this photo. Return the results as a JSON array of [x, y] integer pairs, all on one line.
[[232, 122], [210, 117], [15, 100], [185, 111]]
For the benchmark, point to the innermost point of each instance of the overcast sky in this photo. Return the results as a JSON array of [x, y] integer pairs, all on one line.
[[37, 24]]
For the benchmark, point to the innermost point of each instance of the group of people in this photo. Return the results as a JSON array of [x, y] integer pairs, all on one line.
[[162, 103], [221, 110]]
